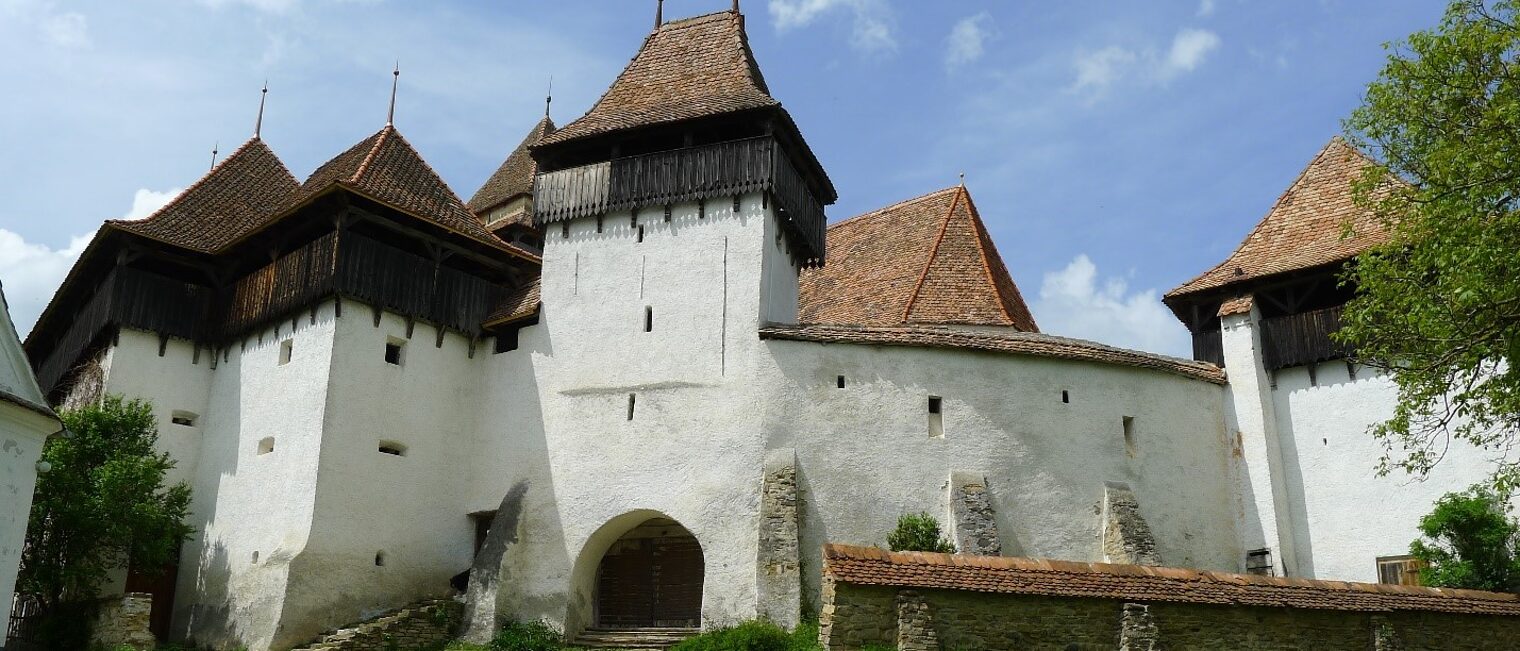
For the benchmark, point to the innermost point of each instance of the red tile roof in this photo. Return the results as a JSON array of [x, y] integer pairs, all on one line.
[[386, 168], [1012, 342], [927, 260], [1028, 576], [692, 68], [522, 303], [238, 196], [515, 176], [1304, 228]]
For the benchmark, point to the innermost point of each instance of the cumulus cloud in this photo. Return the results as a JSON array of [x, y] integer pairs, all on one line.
[[872, 30], [43, 18], [968, 40], [1189, 49], [1099, 70], [1075, 302], [31, 272]]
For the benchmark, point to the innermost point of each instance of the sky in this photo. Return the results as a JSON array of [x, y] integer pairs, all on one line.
[[1114, 149]]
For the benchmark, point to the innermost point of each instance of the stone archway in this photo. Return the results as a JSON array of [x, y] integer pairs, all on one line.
[[650, 577]]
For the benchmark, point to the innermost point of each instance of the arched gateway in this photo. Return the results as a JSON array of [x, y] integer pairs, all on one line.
[[651, 577]]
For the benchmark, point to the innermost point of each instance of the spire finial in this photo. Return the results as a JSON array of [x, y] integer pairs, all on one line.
[[963, 179], [214, 147], [549, 99], [736, 6], [659, 13], [390, 117], [258, 125]]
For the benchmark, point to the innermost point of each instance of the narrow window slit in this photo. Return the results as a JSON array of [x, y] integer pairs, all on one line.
[[1066, 397], [648, 319], [631, 399], [839, 381], [936, 417]]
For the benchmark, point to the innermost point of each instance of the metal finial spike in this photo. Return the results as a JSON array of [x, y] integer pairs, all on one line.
[[214, 151], [258, 125], [659, 14], [549, 99], [390, 117], [736, 6], [963, 179]]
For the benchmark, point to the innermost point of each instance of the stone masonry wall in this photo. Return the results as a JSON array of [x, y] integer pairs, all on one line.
[[780, 574], [919, 619], [976, 529], [1127, 538], [419, 626], [123, 621]]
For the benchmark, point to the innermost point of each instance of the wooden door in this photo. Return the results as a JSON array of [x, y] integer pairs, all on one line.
[[161, 586]]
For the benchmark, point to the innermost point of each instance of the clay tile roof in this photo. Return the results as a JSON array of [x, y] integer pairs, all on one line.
[[386, 168], [239, 195], [692, 68], [927, 260], [1303, 230], [1027, 576], [1010, 342], [515, 176], [522, 303], [1237, 305]]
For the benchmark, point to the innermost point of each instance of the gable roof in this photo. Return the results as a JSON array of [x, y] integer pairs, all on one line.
[[386, 168], [692, 68], [1033, 576], [515, 176], [1303, 229], [927, 260], [238, 196], [18, 385]]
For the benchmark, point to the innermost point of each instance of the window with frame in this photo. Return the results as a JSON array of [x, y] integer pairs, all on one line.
[[1259, 562], [1399, 570]]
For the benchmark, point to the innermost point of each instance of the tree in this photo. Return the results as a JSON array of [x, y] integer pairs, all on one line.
[[102, 505], [1469, 542], [918, 533], [1438, 305]]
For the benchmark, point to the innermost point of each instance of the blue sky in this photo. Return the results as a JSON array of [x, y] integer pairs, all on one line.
[[1115, 149]]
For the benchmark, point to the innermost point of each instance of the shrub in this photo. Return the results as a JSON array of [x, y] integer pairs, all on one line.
[[526, 636], [805, 637], [1470, 542], [919, 532], [749, 636]]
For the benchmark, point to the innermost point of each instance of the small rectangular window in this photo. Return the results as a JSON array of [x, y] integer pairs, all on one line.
[[631, 399], [936, 417], [1065, 397], [564, 230], [392, 448], [598, 224], [1259, 562], [183, 419], [286, 348], [393, 352], [641, 234], [648, 319], [839, 381], [1129, 434], [1399, 570]]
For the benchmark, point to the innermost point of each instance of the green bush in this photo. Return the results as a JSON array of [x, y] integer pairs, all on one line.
[[918, 532], [750, 636], [1470, 542], [805, 638], [526, 636]]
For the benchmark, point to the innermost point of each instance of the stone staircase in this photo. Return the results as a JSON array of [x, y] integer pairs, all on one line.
[[633, 638], [418, 626]]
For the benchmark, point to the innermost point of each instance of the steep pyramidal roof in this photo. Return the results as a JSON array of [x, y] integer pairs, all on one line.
[[515, 176], [1303, 229], [237, 197], [923, 261], [386, 168], [687, 69]]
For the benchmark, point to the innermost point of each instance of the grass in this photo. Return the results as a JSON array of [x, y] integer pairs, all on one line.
[[749, 636]]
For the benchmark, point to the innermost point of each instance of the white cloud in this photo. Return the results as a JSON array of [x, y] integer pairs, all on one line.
[[1098, 70], [271, 6], [872, 31], [1074, 303], [968, 40], [1206, 8], [67, 29], [1189, 49], [31, 272], [146, 202]]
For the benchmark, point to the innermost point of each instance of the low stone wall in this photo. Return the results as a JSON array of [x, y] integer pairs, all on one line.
[[123, 622], [928, 602], [419, 626]]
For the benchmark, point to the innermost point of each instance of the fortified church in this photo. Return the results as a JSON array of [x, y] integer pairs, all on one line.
[[638, 381]]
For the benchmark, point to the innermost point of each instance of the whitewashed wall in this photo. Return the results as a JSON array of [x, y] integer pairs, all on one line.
[[1345, 515], [22, 434], [866, 455]]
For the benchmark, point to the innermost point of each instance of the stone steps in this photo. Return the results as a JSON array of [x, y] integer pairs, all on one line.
[[633, 638]]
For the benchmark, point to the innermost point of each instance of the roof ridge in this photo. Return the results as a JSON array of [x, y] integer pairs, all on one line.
[[933, 253], [982, 238], [429, 167], [1297, 180], [895, 206], [193, 186], [373, 152], [681, 23]]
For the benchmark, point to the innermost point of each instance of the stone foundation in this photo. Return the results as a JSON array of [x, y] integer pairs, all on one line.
[[780, 576], [1127, 538], [976, 530], [124, 622], [419, 626]]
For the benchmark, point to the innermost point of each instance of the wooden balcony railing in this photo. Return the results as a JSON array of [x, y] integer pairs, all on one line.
[[1208, 346], [690, 174]]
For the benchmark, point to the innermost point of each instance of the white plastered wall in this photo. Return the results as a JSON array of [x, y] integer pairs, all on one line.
[[22, 436]]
